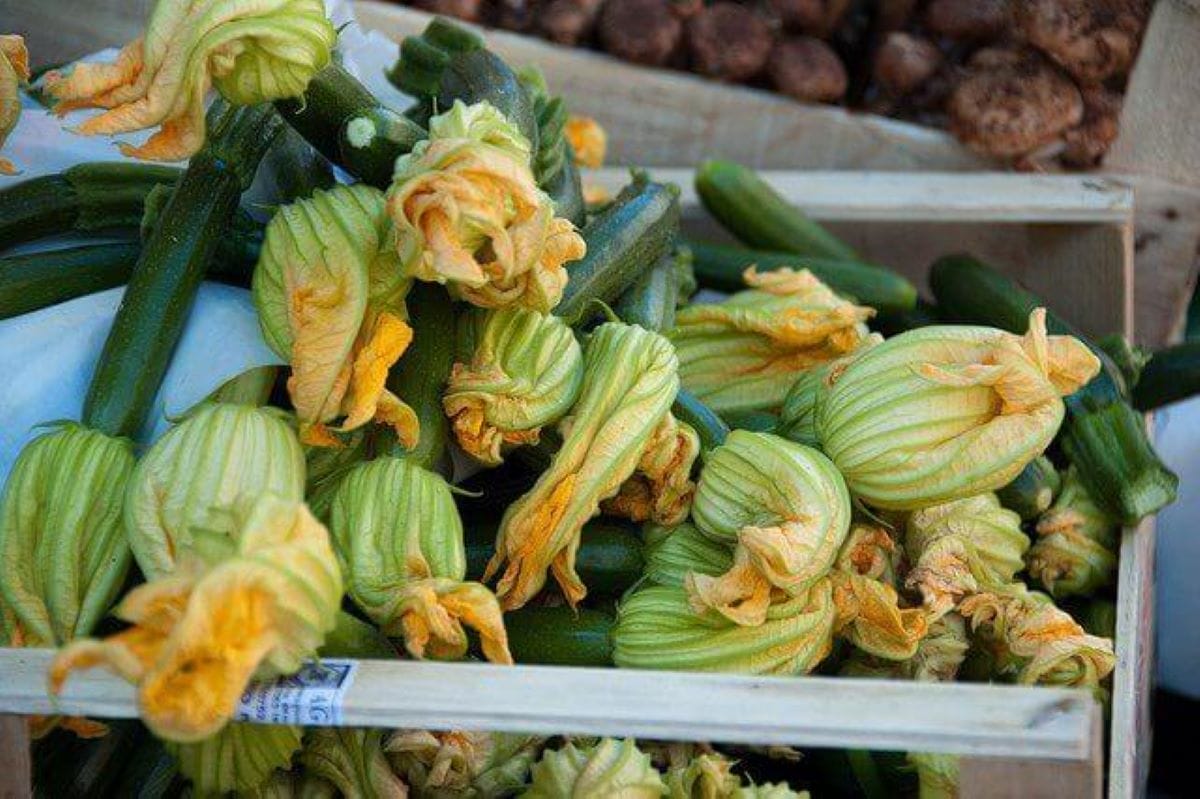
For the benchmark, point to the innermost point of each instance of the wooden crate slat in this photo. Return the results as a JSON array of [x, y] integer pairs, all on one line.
[[1000, 721]]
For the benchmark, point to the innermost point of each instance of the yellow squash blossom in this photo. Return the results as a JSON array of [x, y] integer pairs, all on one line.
[[1034, 641], [400, 542], [708, 775], [471, 765], [629, 383], [963, 546], [797, 417], [947, 412], [330, 300], [194, 476], [525, 373], [783, 506], [468, 212], [230, 613], [744, 354], [1075, 551], [938, 658], [14, 70], [240, 758], [353, 761], [253, 51], [587, 139], [661, 489], [611, 768]]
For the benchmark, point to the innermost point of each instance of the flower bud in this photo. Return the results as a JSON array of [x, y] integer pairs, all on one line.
[[658, 629], [673, 553], [252, 608], [524, 374], [744, 354], [797, 417], [330, 299], [240, 758], [1075, 552], [468, 212], [200, 471], [400, 542], [961, 547], [353, 761], [61, 535], [14, 71], [471, 764], [253, 51], [610, 768], [706, 776], [661, 489], [947, 412], [629, 383], [785, 508]]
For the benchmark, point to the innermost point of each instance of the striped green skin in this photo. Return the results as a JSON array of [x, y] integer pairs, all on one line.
[[1033, 489], [31, 282], [650, 302], [560, 636], [684, 550]]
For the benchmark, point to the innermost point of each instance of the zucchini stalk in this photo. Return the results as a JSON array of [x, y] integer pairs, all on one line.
[[750, 209], [82, 199], [704, 420], [623, 241], [349, 126], [554, 160], [1033, 490], [720, 267], [419, 377], [31, 282], [1103, 436], [1172, 374], [163, 285], [651, 300]]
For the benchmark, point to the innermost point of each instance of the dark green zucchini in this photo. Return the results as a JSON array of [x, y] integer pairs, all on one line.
[[31, 282], [651, 300], [82, 199], [295, 168], [93, 765], [623, 241], [566, 191], [560, 636], [352, 637], [1171, 375], [609, 559], [237, 251], [419, 377], [750, 209], [163, 285], [151, 772], [893, 323], [1103, 436], [757, 421], [721, 266], [349, 126], [708, 425], [1033, 490]]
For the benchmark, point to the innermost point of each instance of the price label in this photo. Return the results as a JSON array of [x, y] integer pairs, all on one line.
[[311, 697]]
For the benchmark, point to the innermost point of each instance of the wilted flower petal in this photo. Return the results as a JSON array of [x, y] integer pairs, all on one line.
[[474, 765], [1075, 550], [610, 768], [661, 488], [14, 70], [706, 776], [253, 51]]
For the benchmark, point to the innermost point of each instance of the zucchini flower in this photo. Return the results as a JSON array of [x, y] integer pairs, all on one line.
[[937, 775], [330, 301], [937, 659], [1034, 641], [744, 354], [240, 758], [1075, 549], [468, 211], [610, 768], [797, 417], [14, 71], [673, 553], [868, 608], [658, 629], [194, 477], [706, 776], [326, 466], [353, 760], [233, 611], [524, 374], [961, 547], [62, 539], [471, 765], [400, 542], [785, 508], [588, 140], [661, 489], [629, 383], [253, 51], [948, 412]]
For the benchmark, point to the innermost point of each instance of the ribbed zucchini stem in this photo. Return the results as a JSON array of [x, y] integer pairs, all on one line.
[[86, 197], [31, 282], [172, 263], [704, 420]]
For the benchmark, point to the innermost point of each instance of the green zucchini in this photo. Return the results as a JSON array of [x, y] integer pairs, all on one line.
[[1033, 490], [754, 212], [1103, 436], [95, 764], [296, 168], [82, 199], [237, 251], [1128, 358], [1171, 375], [651, 300], [419, 377], [163, 285], [560, 636], [31, 282], [150, 773], [609, 559], [350, 127], [708, 425], [623, 241], [352, 637], [721, 266], [566, 191], [757, 421], [893, 323]]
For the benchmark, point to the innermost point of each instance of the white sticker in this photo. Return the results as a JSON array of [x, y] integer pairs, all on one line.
[[311, 697]]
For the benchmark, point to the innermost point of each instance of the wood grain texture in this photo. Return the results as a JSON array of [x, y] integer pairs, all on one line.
[[16, 769]]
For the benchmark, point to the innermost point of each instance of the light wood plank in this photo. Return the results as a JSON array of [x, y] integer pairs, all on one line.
[[16, 768], [1009, 721]]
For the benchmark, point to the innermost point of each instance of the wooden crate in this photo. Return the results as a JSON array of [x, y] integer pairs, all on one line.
[[669, 118], [1016, 741]]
